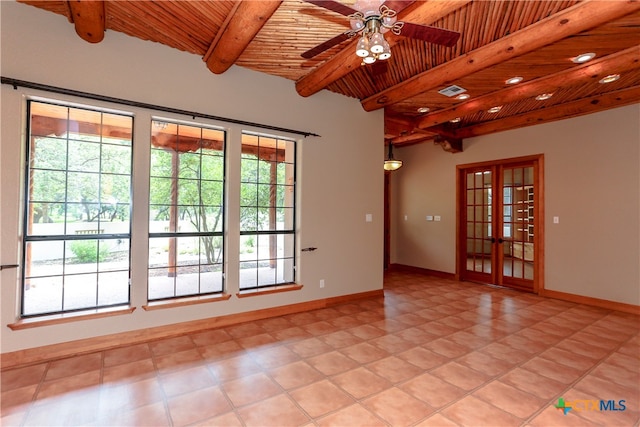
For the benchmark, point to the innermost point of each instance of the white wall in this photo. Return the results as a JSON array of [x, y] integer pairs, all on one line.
[[592, 183], [340, 178]]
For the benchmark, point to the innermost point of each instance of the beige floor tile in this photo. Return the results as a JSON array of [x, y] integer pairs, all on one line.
[[274, 356], [394, 369], [331, 363], [128, 354], [21, 377], [361, 382], [423, 358], [296, 374], [532, 383], [171, 345], [73, 366], [509, 399], [187, 380], [354, 415], [460, 376], [277, 411], [364, 352], [397, 407], [434, 351], [197, 406], [471, 411], [320, 398], [211, 337], [432, 390], [234, 367], [250, 389]]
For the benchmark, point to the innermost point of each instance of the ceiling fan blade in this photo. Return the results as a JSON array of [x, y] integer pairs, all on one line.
[[398, 5], [334, 6], [325, 46], [430, 34]]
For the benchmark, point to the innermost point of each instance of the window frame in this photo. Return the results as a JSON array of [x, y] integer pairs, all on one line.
[[28, 238], [291, 231], [198, 234]]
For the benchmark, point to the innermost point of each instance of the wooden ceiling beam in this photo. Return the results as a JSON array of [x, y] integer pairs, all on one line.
[[88, 17], [243, 23], [346, 60], [619, 62], [581, 107], [580, 17]]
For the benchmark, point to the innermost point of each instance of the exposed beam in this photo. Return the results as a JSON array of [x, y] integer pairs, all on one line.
[[246, 21], [560, 112], [346, 61], [88, 18], [395, 125], [619, 62], [581, 17]]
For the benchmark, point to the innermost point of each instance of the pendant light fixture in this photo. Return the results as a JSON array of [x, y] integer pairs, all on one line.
[[391, 164]]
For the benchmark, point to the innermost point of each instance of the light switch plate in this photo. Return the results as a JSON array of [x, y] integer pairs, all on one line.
[[437, 217], [368, 217], [429, 218]]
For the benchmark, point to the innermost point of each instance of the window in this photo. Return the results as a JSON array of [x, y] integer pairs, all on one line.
[[77, 214], [267, 211], [186, 210]]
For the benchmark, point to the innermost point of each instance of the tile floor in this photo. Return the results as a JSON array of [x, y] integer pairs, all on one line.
[[433, 352]]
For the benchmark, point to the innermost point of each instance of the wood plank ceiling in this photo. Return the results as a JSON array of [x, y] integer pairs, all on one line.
[[535, 40]]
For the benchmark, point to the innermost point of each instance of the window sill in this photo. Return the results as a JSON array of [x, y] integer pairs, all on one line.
[[271, 290], [181, 302], [56, 319]]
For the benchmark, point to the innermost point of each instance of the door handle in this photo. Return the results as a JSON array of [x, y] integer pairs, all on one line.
[[500, 240], [7, 266], [493, 240]]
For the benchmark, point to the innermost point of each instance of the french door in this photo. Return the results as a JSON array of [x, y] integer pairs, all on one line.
[[500, 223]]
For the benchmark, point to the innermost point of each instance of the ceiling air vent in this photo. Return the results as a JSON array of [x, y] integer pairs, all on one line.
[[452, 90]]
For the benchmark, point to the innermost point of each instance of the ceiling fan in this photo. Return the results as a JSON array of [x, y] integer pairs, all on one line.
[[371, 19]]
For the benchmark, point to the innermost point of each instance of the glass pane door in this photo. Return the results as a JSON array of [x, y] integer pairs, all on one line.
[[518, 224], [497, 223], [479, 227]]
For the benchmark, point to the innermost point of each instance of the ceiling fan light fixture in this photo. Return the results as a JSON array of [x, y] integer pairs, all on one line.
[[609, 79], [376, 43], [583, 57], [362, 50], [369, 59], [386, 52]]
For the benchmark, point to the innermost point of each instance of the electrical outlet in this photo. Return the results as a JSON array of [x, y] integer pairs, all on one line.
[[322, 283]]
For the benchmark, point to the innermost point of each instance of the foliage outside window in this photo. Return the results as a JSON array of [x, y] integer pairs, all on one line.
[[78, 204], [186, 210], [267, 211]]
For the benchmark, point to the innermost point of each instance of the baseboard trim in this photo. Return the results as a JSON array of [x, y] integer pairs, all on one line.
[[419, 270], [47, 353], [597, 302]]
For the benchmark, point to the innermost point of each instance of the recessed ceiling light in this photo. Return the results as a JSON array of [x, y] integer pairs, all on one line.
[[463, 96], [494, 109], [423, 110], [513, 80], [543, 96], [610, 78], [584, 57], [456, 120]]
